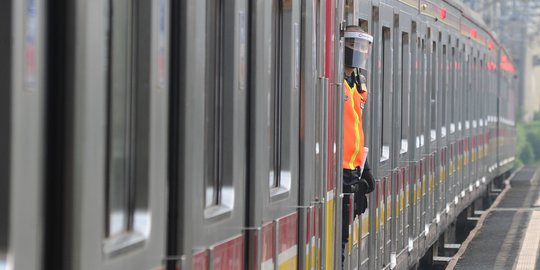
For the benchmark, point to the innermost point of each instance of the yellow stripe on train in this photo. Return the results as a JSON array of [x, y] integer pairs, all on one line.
[[330, 233]]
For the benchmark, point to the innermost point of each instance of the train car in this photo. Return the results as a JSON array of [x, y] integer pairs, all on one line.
[[208, 134]]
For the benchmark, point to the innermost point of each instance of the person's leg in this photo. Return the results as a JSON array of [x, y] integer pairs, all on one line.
[[344, 231]]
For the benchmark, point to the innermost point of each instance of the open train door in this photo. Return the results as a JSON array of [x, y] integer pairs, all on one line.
[[208, 135], [107, 134], [274, 158]]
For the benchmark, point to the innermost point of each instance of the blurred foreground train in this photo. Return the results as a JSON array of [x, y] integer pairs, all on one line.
[[191, 134]]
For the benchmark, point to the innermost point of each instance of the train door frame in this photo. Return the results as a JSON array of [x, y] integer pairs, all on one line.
[[461, 118], [401, 155], [79, 232], [467, 66], [442, 129], [308, 212], [414, 143], [367, 219], [383, 17], [272, 210], [22, 133], [212, 133], [422, 129], [321, 135], [452, 198], [336, 155], [432, 135]]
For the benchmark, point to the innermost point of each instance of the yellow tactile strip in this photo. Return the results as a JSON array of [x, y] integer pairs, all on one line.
[[529, 248]]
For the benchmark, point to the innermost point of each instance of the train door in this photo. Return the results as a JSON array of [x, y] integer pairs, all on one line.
[[422, 129], [208, 156], [22, 77], [401, 134], [107, 134], [467, 146], [321, 139], [274, 158], [452, 111], [366, 249], [381, 127], [414, 142], [308, 215], [440, 127], [432, 136], [473, 116]]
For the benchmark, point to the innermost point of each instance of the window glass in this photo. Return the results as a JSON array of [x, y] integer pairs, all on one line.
[[277, 92], [444, 91], [386, 92], [422, 95], [405, 90], [473, 91], [433, 93], [414, 87], [285, 70], [121, 117], [214, 103], [127, 218], [452, 90], [224, 47]]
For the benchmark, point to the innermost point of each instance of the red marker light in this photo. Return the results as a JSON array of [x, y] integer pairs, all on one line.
[[491, 45], [442, 13], [474, 33]]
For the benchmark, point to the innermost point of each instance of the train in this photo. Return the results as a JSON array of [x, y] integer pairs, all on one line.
[[206, 134]]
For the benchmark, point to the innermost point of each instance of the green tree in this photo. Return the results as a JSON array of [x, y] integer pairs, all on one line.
[[533, 137], [527, 154]]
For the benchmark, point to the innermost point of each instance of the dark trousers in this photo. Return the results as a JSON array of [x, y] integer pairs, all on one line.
[[351, 184]]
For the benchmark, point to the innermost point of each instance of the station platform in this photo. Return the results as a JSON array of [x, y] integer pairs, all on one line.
[[509, 233]]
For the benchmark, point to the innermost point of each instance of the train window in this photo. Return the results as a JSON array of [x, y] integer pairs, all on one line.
[[463, 65], [422, 117], [433, 93], [405, 91], [283, 96], [386, 91], [219, 110], [473, 91], [444, 91], [414, 86], [452, 93], [213, 178], [277, 92], [127, 219]]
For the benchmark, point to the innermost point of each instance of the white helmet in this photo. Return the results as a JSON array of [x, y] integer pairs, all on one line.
[[357, 47]]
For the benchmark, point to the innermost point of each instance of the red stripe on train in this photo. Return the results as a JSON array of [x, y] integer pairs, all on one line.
[[288, 232], [229, 255], [268, 250]]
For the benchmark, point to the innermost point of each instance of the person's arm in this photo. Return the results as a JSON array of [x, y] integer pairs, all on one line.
[[368, 179]]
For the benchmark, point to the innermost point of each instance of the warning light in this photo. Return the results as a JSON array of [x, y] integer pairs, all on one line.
[[442, 13], [474, 33]]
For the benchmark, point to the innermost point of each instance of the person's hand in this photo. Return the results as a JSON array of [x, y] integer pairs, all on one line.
[[367, 178]]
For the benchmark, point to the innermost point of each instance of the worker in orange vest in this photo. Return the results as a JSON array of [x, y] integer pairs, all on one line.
[[357, 177]]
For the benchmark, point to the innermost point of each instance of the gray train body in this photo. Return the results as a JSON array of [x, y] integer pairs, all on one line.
[[207, 134]]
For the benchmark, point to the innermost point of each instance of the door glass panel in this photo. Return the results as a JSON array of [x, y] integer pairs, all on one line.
[[405, 91], [285, 71], [386, 87], [224, 80], [127, 217], [214, 103]]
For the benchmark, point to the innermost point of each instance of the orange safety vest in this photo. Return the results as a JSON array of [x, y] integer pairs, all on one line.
[[353, 132]]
